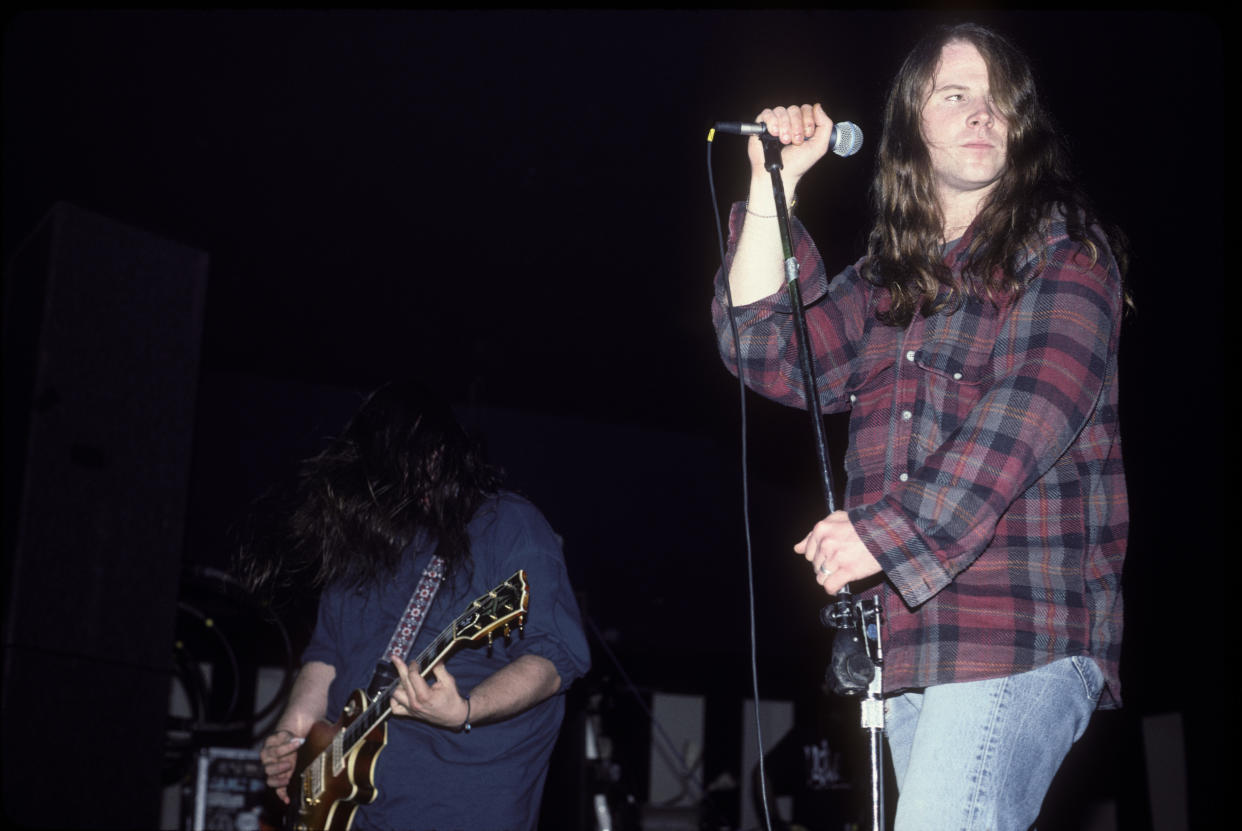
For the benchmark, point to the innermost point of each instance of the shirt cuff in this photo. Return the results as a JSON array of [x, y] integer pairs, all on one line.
[[912, 568]]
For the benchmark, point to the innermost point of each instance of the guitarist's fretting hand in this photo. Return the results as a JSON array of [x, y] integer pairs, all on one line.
[[278, 754], [439, 703]]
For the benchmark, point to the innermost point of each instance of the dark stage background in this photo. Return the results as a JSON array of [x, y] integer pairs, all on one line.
[[221, 227]]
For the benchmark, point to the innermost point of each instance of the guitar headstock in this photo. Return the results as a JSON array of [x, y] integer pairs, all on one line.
[[498, 609]]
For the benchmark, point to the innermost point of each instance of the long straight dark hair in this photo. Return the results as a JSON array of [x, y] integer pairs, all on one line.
[[402, 465], [904, 247]]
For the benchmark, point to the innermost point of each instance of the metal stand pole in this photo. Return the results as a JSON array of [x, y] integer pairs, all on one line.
[[872, 708], [849, 618]]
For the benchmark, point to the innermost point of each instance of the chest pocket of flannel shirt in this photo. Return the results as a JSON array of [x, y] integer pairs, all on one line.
[[958, 369]]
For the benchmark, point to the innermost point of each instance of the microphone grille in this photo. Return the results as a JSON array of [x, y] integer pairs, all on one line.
[[849, 138]]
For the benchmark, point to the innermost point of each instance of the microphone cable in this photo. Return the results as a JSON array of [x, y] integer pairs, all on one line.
[[750, 558]]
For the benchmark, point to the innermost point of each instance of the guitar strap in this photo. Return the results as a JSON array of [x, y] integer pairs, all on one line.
[[407, 627]]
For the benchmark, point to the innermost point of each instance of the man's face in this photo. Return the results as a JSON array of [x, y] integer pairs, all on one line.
[[964, 132]]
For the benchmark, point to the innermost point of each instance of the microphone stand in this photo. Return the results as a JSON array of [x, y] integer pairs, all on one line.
[[857, 653]]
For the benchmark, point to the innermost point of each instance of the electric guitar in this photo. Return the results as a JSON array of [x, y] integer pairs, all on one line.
[[335, 768]]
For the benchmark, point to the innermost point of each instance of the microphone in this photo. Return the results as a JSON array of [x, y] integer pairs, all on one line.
[[846, 138]]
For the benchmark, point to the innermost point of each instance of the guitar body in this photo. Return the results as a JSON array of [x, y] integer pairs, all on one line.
[[326, 797]]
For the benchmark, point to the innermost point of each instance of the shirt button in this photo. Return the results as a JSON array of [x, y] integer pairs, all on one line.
[[957, 376], [910, 355], [906, 415], [903, 477], [853, 398]]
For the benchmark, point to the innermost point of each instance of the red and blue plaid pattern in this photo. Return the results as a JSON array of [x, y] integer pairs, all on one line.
[[984, 464]]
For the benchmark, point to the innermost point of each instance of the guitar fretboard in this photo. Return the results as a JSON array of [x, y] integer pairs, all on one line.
[[485, 615]]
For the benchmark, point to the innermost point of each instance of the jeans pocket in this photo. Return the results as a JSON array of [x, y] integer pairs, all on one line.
[[1090, 674]]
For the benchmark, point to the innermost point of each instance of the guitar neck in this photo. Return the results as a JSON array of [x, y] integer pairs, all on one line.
[[330, 763], [491, 612], [381, 708]]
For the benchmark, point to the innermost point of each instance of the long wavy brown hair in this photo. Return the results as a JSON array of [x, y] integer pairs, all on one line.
[[402, 465], [904, 250]]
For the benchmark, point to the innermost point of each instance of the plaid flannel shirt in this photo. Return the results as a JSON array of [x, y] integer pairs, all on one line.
[[984, 467]]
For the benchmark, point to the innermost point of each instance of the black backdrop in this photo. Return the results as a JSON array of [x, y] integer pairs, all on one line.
[[514, 206]]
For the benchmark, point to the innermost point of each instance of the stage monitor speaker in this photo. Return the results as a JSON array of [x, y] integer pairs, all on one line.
[[102, 335]]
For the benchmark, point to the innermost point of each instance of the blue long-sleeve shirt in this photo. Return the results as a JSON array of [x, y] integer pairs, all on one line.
[[491, 778]]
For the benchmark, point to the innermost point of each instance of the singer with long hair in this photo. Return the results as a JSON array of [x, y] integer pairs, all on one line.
[[974, 345]]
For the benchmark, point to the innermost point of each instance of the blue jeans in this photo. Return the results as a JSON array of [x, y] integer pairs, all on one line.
[[981, 754]]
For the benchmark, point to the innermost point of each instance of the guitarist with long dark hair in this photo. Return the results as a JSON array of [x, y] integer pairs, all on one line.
[[472, 731]]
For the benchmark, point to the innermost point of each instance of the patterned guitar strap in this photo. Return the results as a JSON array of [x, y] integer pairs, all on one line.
[[407, 627]]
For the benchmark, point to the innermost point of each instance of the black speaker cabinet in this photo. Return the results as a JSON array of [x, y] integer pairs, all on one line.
[[102, 334]]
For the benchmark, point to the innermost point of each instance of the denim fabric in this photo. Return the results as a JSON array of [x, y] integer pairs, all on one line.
[[981, 754]]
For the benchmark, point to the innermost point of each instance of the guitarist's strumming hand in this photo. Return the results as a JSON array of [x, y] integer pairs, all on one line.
[[278, 754], [308, 700], [439, 703]]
